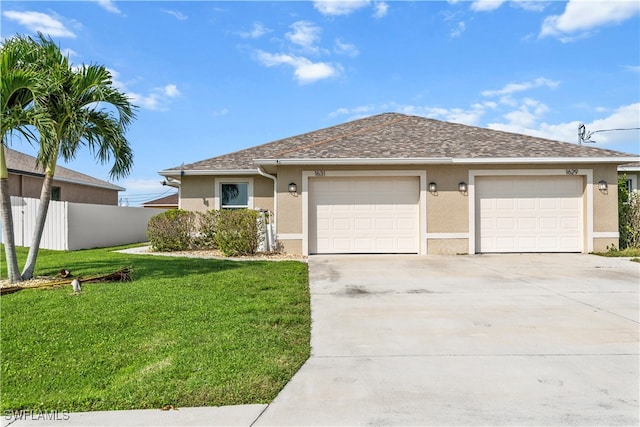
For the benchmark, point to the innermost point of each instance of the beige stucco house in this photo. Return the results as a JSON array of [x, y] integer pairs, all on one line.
[[631, 174], [394, 183], [26, 178]]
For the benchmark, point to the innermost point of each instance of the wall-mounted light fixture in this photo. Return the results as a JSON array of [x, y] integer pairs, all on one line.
[[433, 187], [602, 185], [462, 187], [293, 188]]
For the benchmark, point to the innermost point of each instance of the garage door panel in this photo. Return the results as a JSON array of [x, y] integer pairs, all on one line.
[[505, 204], [366, 215], [363, 224], [527, 223], [529, 214], [505, 224]]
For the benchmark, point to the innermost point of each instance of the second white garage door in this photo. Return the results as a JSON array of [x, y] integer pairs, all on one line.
[[529, 214], [364, 215]]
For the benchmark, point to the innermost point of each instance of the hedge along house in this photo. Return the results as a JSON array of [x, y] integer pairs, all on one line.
[[393, 183]]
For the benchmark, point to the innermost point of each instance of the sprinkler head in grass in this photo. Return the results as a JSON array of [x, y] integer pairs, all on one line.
[[75, 284]]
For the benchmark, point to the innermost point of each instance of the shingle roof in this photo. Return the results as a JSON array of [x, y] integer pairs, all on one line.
[[21, 163], [630, 166], [402, 137], [171, 199]]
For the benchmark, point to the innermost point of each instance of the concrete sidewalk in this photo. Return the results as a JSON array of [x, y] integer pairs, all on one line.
[[242, 415], [462, 340]]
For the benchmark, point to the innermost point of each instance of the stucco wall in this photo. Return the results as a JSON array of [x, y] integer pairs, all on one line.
[[31, 186], [447, 210], [197, 193], [605, 203], [289, 205]]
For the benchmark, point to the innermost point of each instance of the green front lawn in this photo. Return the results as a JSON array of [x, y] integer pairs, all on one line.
[[185, 332]]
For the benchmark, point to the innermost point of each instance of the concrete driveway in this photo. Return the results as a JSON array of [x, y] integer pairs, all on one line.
[[468, 340]]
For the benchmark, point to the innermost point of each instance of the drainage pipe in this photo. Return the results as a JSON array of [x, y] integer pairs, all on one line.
[[275, 199]]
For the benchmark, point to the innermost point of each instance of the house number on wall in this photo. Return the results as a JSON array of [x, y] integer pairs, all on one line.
[[320, 173], [572, 171]]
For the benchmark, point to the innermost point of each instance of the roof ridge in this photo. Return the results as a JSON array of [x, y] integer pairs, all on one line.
[[324, 141]]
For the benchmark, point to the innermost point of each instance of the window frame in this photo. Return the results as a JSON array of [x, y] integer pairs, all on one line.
[[218, 192], [56, 193]]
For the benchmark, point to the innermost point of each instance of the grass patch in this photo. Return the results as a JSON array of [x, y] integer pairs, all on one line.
[[627, 252], [186, 332]]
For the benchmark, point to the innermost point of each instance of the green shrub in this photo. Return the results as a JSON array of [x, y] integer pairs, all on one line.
[[207, 223], [237, 232], [171, 230], [628, 216]]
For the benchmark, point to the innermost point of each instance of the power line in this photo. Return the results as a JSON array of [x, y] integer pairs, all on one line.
[[585, 137]]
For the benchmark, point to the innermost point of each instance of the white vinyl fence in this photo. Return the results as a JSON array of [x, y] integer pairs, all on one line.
[[72, 226]]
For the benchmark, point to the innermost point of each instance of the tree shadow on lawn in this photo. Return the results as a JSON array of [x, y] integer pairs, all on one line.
[[145, 266]]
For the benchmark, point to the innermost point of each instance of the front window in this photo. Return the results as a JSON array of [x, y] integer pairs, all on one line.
[[234, 195], [55, 193]]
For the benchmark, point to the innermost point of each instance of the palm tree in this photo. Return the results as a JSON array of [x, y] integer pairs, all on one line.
[[22, 90], [86, 110]]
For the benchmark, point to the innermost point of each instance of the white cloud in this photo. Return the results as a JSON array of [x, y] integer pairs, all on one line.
[[177, 14], [37, 21], [519, 87], [109, 6], [339, 7], [381, 9], [580, 17], [305, 34], [171, 91], [625, 117], [220, 112], [158, 99], [69, 53], [458, 30], [256, 32], [142, 185], [527, 114], [486, 5], [618, 125], [491, 5], [632, 68], [530, 5], [469, 116], [305, 70], [345, 48], [525, 118]]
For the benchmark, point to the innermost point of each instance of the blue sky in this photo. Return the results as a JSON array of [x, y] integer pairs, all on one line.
[[214, 77]]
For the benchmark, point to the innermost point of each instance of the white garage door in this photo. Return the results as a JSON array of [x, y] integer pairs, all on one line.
[[364, 215], [529, 214]]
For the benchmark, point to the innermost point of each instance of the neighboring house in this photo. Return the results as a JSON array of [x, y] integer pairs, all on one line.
[[631, 174], [393, 183], [25, 180], [166, 202]]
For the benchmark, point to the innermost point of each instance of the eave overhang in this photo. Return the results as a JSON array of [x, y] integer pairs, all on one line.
[[204, 172]]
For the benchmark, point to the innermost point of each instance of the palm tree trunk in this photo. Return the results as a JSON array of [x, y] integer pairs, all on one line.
[[13, 273], [45, 198]]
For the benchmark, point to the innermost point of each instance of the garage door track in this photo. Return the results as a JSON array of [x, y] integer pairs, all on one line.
[[534, 339]]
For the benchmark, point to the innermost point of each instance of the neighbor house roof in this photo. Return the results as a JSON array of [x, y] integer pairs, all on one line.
[[629, 167], [399, 138], [24, 164], [170, 200]]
